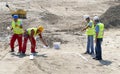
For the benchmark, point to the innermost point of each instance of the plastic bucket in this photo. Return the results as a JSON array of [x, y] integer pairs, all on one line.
[[56, 45]]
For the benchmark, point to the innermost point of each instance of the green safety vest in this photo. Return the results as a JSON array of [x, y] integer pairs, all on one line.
[[101, 30], [16, 27], [35, 30], [90, 30]]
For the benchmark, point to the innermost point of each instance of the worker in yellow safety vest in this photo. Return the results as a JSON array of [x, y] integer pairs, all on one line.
[[16, 27], [30, 33], [90, 31], [99, 29]]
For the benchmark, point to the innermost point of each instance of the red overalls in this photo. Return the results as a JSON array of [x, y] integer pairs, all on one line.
[[17, 35], [32, 40], [13, 39]]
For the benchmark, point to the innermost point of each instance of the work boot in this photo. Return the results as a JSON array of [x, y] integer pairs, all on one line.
[[86, 53], [18, 53], [92, 53], [12, 50], [34, 53], [23, 54], [97, 58]]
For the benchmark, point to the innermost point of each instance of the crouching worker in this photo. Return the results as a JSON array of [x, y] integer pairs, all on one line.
[[30, 33]]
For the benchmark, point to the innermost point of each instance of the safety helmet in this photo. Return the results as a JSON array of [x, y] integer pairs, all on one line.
[[95, 18], [86, 16], [40, 28], [15, 16]]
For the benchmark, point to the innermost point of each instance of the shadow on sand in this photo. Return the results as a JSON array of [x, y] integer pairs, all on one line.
[[105, 62], [36, 55], [41, 55], [19, 55]]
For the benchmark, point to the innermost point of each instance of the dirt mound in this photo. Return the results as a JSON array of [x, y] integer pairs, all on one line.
[[111, 18], [49, 17]]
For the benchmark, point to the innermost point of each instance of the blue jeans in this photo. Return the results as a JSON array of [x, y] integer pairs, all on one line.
[[98, 48], [90, 44]]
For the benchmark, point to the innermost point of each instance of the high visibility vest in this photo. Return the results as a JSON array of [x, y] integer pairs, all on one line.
[[101, 30], [90, 30], [16, 27], [35, 31]]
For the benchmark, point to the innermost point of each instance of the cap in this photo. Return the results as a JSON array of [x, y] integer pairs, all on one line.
[[15, 16]]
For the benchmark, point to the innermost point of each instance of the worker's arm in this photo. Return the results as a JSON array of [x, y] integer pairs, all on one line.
[[85, 28], [41, 38], [11, 28], [97, 32], [31, 36], [96, 37], [21, 24], [88, 26]]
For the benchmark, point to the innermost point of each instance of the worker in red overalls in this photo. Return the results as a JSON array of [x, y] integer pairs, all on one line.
[[16, 27], [30, 33]]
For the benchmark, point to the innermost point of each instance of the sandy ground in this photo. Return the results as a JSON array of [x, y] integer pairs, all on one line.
[[62, 21]]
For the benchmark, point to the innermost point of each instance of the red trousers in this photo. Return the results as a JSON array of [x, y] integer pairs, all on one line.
[[33, 44], [13, 39]]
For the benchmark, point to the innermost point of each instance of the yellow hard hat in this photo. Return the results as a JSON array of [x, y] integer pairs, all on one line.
[[40, 28]]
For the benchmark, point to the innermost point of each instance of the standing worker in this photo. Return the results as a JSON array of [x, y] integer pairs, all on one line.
[[17, 28], [98, 37], [29, 34], [90, 35]]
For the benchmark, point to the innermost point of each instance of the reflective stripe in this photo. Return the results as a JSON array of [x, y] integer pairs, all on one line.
[[90, 30], [101, 30], [16, 27]]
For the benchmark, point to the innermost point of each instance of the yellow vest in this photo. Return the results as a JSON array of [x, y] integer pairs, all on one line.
[[90, 30], [16, 27], [35, 30], [101, 30]]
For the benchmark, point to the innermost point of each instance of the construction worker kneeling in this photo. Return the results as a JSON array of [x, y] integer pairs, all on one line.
[[30, 33]]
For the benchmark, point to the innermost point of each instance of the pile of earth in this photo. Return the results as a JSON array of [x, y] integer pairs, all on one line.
[[111, 18]]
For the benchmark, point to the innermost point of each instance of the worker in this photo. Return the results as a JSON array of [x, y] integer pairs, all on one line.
[[30, 33], [99, 28], [17, 28], [90, 31]]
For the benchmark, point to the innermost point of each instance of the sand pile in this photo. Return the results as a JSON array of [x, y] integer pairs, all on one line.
[[49, 17], [111, 18]]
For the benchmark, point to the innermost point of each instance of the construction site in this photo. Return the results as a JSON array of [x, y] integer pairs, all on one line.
[[62, 21]]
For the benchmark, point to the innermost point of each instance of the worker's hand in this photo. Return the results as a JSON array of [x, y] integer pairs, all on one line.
[[82, 29], [45, 46], [11, 29], [45, 43], [21, 27], [8, 28]]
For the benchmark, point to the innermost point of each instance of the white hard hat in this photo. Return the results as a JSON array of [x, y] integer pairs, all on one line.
[[86, 16], [95, 18]]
